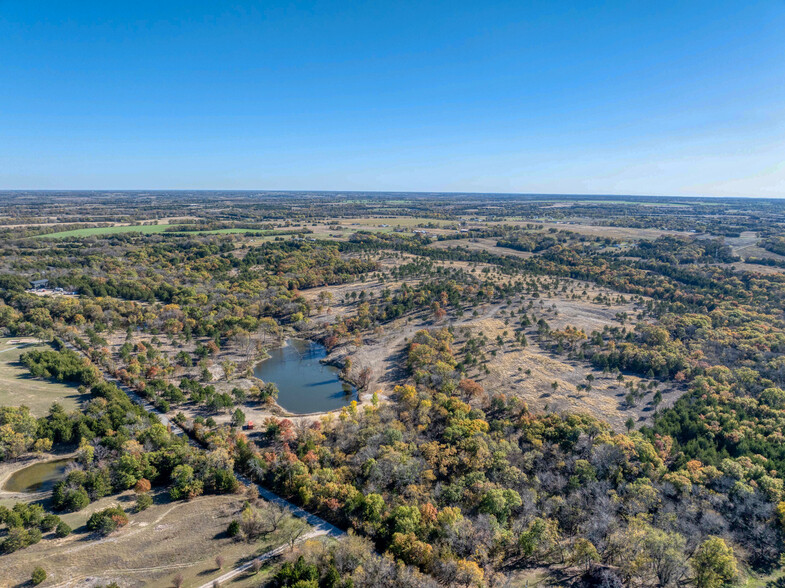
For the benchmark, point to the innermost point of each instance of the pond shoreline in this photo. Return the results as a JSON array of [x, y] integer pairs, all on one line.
[[8, 469], [280, 381]]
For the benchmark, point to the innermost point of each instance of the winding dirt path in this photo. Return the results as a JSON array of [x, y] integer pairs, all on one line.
[[261, 559]]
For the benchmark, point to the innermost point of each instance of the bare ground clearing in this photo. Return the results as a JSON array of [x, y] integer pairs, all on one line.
[[753, 268], [620, 233], [159, 542], [488, 245], [605, 401]]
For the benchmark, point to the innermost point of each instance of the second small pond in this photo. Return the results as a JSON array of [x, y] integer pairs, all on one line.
[[39, 477], [305, 384]]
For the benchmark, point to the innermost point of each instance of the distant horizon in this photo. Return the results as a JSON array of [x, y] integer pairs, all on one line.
[[382, 192]]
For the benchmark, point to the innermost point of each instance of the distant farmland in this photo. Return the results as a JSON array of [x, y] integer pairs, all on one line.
[[146, 229]]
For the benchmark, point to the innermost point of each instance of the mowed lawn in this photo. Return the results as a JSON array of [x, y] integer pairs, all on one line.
[[18, 387]]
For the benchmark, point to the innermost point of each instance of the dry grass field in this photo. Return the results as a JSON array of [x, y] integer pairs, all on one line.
[[529, 373], [488, 245], [18, 387], [753, 268], [620, 233], [158, 543]]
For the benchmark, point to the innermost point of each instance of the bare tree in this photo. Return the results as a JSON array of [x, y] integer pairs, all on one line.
[[293, 532], [256, 522], [273, 515]]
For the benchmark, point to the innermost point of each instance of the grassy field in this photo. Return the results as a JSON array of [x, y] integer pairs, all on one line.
[[166, 539], [226, 231], [628, 202], [403, 222], [18, 387], [145, 229]]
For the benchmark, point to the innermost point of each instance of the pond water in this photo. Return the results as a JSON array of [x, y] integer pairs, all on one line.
[[39, 477], [304, 383]]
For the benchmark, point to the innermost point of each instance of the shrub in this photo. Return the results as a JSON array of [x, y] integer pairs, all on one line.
[[19, 538], [143, 501], [107, 520], [142, 486], [70, 498], [11, 518], [39, 575], [291, 574], [49, 522], [62, 530], [30, 515], [233, 529], [238, 418]]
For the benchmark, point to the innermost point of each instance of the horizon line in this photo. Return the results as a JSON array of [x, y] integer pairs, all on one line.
[[381, 192]]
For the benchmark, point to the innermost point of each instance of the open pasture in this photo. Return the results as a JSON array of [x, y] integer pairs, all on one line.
[[18, 387], [166, 539]]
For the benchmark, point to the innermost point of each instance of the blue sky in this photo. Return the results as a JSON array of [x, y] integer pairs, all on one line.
[[681, 98]]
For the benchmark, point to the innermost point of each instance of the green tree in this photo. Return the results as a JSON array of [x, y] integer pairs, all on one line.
[[238, 418], [714, 564], [584, 554], [185, 483], [666, 552], [500, 503]]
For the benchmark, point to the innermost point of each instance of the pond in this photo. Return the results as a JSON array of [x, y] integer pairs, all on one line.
[[304, 383], [39, 477]]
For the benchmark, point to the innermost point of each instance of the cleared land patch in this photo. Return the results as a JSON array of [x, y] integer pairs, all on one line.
[[18, 387], [383, 352], [530, 373], [166, 539], [148, 230], [90, 231], [488, 245]]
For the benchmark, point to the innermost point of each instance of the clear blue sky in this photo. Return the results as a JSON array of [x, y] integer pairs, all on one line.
[[631, 97]]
